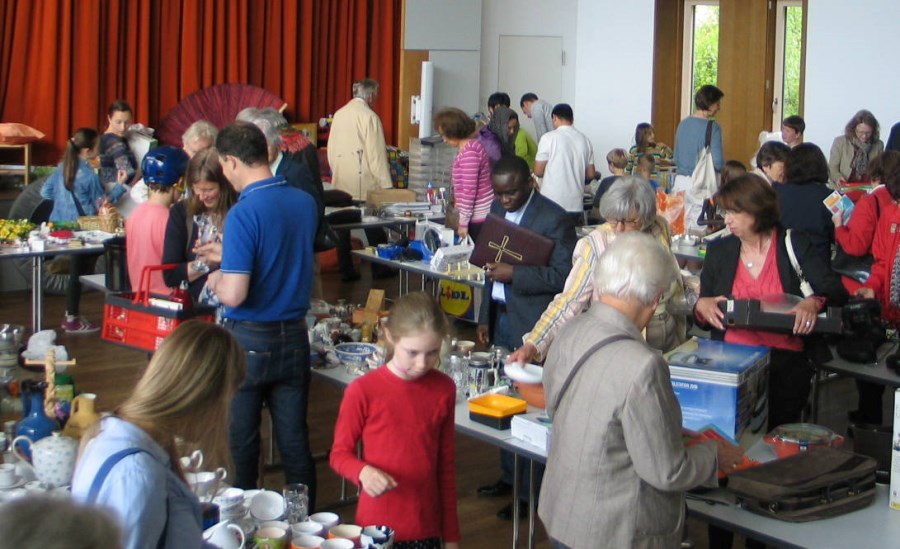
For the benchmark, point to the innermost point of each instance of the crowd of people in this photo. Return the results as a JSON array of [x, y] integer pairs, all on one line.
[[601, 308]]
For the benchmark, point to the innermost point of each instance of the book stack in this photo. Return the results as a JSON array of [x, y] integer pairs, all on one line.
[[721, 384]]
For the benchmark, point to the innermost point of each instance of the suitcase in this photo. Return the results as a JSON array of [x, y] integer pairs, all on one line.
[[812, 485]]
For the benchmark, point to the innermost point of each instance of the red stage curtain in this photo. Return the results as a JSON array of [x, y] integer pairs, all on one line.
[[63, 61]]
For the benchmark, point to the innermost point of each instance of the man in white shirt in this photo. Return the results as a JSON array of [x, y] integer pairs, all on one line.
[[565, 161]]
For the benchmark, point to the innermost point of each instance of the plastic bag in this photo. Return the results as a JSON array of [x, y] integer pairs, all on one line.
[[671, 207]]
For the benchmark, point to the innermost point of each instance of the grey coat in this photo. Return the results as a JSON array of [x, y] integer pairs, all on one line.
[[617, 466]]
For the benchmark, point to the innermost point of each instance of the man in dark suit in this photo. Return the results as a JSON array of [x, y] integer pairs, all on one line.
[[516, 296]]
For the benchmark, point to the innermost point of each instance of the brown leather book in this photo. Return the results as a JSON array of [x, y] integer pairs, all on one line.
[[501, 241]]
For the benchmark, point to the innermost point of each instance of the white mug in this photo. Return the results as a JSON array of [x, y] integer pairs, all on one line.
[[225, 535], [7, 475], [193, 462]]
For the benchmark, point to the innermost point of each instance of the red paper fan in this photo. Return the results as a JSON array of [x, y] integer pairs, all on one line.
[[217, 104]]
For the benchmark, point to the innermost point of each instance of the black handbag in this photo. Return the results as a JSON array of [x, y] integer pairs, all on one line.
[[857, 267], [811, 485]]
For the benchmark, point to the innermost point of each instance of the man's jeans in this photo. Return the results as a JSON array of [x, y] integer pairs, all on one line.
[[277, 375]]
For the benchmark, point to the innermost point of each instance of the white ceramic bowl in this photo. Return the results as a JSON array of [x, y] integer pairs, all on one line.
[[267, 505], [327, 520]]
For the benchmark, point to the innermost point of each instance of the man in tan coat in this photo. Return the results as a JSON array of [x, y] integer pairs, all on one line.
[[356, 147], [358, 158]]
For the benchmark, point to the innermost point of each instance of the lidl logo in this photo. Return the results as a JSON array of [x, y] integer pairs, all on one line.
[[455, 298]]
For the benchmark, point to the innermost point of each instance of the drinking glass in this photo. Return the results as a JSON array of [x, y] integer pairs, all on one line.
[[296, 503], [207, 231]]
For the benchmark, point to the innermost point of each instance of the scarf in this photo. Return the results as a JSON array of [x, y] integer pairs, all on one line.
[[859, 166]]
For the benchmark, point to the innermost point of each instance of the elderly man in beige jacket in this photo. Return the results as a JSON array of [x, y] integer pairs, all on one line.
[[358, 158], [617, 467]]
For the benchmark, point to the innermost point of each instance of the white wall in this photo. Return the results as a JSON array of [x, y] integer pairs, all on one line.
[[850, 65], [608, 46], [614, 76]]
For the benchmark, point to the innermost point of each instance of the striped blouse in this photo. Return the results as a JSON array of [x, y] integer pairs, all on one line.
[[471, 179]]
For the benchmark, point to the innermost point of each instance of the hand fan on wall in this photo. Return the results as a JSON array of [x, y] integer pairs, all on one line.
[[217, 104]]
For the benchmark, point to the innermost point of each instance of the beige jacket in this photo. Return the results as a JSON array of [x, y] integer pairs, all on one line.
[[617, 467], [356, 144], [842, 154]]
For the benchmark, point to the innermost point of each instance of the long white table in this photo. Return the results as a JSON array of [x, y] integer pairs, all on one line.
[[873, 527], [37, 271]]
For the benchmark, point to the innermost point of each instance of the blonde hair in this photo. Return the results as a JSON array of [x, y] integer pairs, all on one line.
[[414, 313], [646, 165], [618, 158], [187, 388]]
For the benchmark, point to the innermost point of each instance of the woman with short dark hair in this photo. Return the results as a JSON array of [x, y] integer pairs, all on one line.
[[770, 161], [753, 263], [806, 174]]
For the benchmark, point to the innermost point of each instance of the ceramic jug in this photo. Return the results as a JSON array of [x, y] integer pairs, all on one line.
[[35, 425], [83, 415], [53, 458]]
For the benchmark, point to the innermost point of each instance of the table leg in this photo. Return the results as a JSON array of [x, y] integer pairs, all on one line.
[[532, 497], [37, 293], [27, 164], [815, 395], [515, 501]]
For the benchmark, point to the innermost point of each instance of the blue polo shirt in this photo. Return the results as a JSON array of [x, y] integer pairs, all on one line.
[[269, 235]]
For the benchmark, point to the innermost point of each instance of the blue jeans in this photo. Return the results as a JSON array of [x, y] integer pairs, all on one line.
[[277, 375]]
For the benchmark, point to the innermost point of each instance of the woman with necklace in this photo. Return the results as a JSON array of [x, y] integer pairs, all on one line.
[[753, 263]]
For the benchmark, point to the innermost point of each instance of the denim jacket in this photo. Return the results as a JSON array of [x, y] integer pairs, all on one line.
[[87, 189]]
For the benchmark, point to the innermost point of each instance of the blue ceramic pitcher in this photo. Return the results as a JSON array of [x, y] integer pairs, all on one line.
[[35, 424]]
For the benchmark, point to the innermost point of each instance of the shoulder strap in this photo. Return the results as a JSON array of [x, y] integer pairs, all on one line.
[[75, 199], [104, 470], [709, 129], [587, 354], [805, 287]]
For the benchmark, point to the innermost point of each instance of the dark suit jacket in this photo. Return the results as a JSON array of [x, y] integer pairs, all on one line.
[[723, 255], [533, 288], [298, 175]]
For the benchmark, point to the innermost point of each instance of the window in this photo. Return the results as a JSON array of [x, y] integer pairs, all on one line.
[[788, 52], [700, 49]]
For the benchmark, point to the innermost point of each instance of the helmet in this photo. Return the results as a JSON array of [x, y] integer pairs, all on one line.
[[164, 166]]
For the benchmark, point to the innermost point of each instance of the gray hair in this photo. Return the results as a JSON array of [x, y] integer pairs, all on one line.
[[365, 89], [201, 129], [267, 120], [630, 195], [39, 521], [635, 266]]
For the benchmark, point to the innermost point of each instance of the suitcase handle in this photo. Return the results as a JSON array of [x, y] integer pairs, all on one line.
[[142, 294]]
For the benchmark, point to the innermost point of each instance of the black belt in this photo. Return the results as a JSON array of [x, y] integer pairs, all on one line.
[[265, 325]]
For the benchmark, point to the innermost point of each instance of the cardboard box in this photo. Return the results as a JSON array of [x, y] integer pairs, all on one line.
[[369, 314], [722, 384], [379, 197], [533, 428]]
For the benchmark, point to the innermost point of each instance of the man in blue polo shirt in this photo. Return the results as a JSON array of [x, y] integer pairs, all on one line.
[[264, 284]]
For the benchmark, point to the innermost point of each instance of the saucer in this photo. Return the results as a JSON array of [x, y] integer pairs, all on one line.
[[527, 373], [20, 481]]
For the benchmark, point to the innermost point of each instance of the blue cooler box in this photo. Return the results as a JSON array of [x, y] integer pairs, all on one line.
[[721, 384]]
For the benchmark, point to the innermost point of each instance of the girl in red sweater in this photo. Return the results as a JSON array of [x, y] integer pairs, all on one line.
[[403, 413]]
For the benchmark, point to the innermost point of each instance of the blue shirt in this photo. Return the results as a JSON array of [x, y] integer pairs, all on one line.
[[87, 190], [269, 235], [689, 141], [142, 491]]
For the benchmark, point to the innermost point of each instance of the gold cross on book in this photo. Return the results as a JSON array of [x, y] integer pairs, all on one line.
[[501, 249]]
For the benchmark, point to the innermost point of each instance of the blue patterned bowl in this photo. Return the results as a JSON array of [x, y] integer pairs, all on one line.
[[354, 353]]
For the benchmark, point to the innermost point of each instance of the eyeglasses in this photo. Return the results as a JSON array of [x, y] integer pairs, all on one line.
[[625, 222], [863, 134]]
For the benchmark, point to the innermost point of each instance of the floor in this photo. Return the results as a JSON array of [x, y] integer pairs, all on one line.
[[111, 371]]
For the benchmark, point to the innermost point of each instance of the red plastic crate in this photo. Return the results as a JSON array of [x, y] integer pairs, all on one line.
[[142, 326]]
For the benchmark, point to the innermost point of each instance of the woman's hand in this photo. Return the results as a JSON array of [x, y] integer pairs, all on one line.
[[463, 232], [522, 355], [728, 456], [805, 316], [482, 333], [121, 177], [211, 253], [838, 219], [707, 310], [865, 293], [375, 481]]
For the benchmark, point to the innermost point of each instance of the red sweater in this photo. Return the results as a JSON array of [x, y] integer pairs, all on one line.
[[885, 245], [407, 431], [857, 235]]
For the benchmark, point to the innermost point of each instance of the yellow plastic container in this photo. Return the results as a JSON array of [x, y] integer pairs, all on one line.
[[497, 405]]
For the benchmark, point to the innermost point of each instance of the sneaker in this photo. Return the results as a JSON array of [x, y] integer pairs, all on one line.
[[79, 325]]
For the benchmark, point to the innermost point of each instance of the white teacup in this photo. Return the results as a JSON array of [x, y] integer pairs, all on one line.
[[193, 462], [225, 535], [229, 497], [327, 520], [308, 527], [205, 484], [337, 543], [307, 541], [7, 475]]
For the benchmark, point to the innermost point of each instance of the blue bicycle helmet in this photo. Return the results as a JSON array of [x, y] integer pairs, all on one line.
[[164, 166]]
